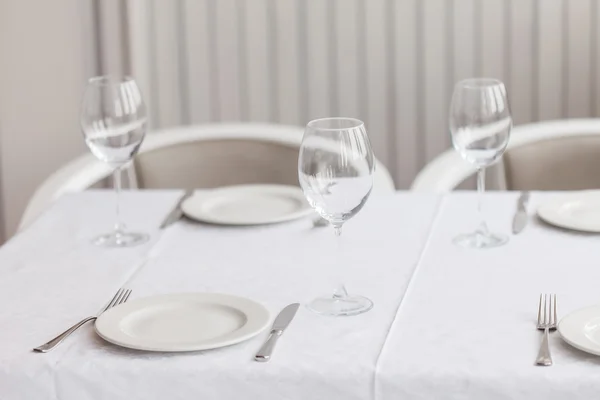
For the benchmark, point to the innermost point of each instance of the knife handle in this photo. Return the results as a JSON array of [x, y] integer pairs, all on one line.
[[264, 354]]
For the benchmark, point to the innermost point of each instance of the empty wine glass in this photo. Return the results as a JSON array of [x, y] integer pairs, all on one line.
[[480, 123], [335, 170], [113, 120]]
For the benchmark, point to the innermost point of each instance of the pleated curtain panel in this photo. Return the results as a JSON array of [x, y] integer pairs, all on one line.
[[391, 63]]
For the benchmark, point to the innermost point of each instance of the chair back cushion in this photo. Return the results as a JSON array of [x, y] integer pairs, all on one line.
[[215, 163], [567, 163]]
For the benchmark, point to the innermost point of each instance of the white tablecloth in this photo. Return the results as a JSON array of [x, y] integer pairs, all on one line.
[[51, 276], [448, 322], [466, 328]]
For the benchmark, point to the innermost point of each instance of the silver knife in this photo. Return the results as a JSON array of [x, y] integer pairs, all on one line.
[[281, 323], [175, 214], [521, 217]]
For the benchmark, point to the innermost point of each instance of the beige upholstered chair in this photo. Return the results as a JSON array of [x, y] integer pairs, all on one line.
[[553, 155], [194, 157]]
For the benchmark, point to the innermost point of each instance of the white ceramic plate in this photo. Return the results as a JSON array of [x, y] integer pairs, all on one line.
[[248, 205], [581, 329], [579, 212], [182, 322]]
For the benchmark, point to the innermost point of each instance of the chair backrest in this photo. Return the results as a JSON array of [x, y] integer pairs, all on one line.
[[202, 156], [551, 155]]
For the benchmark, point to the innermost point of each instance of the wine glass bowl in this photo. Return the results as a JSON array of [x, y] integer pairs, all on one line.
[[336, 167], [335, 170], [113, 119], [480, 120], [113, 122]]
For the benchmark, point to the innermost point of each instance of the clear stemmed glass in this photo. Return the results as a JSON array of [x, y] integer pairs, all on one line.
[[335, 170], [113, 120], [480, 123]]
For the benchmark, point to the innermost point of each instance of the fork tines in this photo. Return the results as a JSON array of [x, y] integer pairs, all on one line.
[[120, 297], [547, 317]]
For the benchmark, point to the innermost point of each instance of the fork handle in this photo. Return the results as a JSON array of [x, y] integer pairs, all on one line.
[[544, 357], [46, 347]]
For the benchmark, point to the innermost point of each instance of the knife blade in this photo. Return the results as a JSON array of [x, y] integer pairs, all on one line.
[[175, 214], [281, 323], [521, 217]]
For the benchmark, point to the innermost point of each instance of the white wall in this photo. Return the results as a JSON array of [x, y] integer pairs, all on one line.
[[46, 55]]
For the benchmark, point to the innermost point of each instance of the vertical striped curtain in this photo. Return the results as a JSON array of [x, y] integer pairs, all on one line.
[[391, 63]]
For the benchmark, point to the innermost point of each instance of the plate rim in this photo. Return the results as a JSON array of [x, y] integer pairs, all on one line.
[[291, 190], [574, 343], [546, 210], [262, 323]]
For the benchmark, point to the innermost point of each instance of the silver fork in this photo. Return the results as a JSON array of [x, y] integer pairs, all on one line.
[[119, 298], [547, 321]]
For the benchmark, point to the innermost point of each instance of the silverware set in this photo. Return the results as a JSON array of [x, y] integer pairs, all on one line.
[[120, 297], [547, 321], [280, 324]]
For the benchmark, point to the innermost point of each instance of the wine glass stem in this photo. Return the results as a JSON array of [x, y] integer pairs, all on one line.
[[340, 290], [480, 190], [117, 183]]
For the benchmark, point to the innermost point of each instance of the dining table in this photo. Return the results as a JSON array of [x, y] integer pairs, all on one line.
[[448, 322]]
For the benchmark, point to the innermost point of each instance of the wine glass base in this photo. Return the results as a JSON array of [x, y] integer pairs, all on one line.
[[336, 306], [480, 240], [121, 239]]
